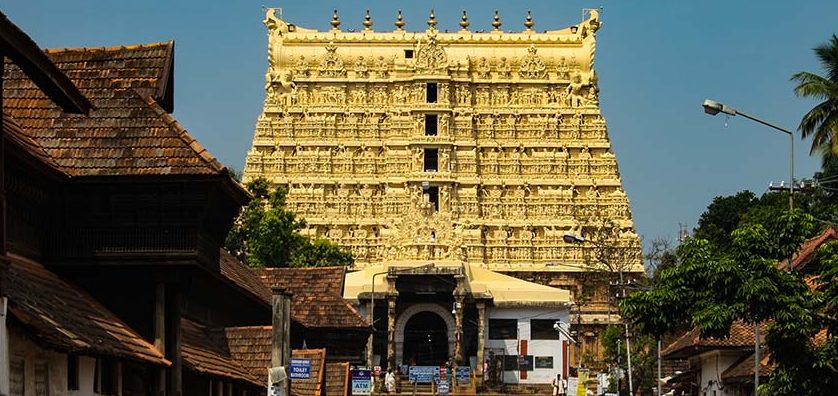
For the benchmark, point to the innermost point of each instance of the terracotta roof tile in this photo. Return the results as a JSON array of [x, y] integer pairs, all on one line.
[[65, 317], [251, 347], [127, 133], [804, 253], [691, 343], [744, 368], [337, 379], [317, 300], [203, 354], [312, 386], [242, 276]]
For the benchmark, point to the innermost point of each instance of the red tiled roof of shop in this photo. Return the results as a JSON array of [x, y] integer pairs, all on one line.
[[203, 354], [242, 276], [804, 253], [337, 379], [691, 343], [744, 369], [129, 132], [68, 319], [312, 386], [316, 300]]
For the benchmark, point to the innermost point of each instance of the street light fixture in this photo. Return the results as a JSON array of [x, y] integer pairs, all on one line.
[[713, 108]]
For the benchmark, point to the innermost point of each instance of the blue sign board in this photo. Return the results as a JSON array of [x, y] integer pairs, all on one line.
[[443, 387], [423, 374], [463, 375], [300, 368], [361, 382]]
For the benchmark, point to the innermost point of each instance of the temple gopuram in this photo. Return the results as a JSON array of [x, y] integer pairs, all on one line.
[[470, 174]]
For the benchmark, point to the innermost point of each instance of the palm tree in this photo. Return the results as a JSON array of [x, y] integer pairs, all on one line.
[[822, 121]]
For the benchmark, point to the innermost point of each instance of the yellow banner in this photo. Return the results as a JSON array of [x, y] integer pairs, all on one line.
[[582, 384]]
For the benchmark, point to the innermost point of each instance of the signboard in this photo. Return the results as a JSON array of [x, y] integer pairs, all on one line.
[[443, 387], [361, 382], [543, 362], [581, 387], [422, 374], [463, 375], [300, 368], [571, 385]]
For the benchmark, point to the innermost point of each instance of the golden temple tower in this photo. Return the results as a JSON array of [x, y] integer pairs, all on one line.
[[486, 148]]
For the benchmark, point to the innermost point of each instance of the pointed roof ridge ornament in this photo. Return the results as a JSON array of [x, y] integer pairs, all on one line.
[[529, 23], [335, 20], [432, 20], [464, 23], [367, 21], [496, 23], [399, 22]]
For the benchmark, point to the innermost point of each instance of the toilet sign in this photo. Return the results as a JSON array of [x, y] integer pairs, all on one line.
[[300, 368]]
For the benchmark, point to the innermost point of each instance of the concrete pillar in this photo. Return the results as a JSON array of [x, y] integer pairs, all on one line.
[[458, 331], [370, 316], [391, 331], [481, 337]]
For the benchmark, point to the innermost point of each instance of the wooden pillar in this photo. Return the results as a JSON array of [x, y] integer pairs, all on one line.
[[281, 330], [371, 316], [481, 337], [173, 339], [2, 165], [160, 335]]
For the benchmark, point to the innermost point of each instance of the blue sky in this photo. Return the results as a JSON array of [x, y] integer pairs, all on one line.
[[656, 60]]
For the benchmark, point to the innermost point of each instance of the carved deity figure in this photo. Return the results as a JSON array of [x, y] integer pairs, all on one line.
[[361, 70], [483, 68], [279, 87], [563, 69], [301, 68], [504, 70], [431, 57], [532, 66], [463, 95], [381, 68], [574, 91]]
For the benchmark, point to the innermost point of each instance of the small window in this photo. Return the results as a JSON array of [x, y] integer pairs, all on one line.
[[431, 124], [431, 92], [542, 329], [433, 197], [431, 159], [408, 54], [503, 329], [72, 372]]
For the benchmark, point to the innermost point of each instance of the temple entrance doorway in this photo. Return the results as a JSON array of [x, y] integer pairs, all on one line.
[[425, 340]]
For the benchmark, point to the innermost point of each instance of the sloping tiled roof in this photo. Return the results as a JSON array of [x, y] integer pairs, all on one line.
[[314, 280], [68, 319], [201, 353], [804, 253], [251, 347], [337, 379], [12, 132], [691, 343], [242, 276], [743, 370], [128, 132], [316, 300]]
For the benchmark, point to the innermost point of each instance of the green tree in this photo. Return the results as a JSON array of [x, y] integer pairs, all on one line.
[[268, 235], [643, 359], [722, 216], [821, 122], [711, 288]]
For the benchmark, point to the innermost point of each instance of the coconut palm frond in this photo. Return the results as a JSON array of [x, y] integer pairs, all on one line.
[[827, 53], [821, 122], [814, 86]]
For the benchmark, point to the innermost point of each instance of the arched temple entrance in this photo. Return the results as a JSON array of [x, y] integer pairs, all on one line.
[[424, 332]]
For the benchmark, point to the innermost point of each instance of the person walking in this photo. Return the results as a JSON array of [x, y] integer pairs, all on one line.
[[559, 386], [390, 381]]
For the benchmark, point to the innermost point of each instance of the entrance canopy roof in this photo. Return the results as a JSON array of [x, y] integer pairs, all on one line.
[[480, 283]]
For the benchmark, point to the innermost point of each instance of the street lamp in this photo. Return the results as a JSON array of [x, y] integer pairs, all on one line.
[[573, 238], [713, 108]]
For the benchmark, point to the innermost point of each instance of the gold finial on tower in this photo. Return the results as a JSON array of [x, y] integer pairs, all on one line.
[[496, 23], [464, 21], [367, 21], [399, 21], [529, 23], [335, 20], [432, 20]]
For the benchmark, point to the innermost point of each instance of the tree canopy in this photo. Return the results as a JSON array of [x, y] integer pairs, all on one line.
[[821, 122], [268, 235]]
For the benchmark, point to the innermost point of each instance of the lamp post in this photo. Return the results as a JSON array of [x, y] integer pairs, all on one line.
[[713, 108], [573, 238]]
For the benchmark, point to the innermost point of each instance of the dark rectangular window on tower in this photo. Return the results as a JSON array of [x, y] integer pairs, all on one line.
[[431, 124], [408, 54], [433, 197], [431, 92], [431, 159]]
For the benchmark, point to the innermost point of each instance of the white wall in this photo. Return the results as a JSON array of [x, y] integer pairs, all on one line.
[[712, 365], [534, 347], [4, 348]]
